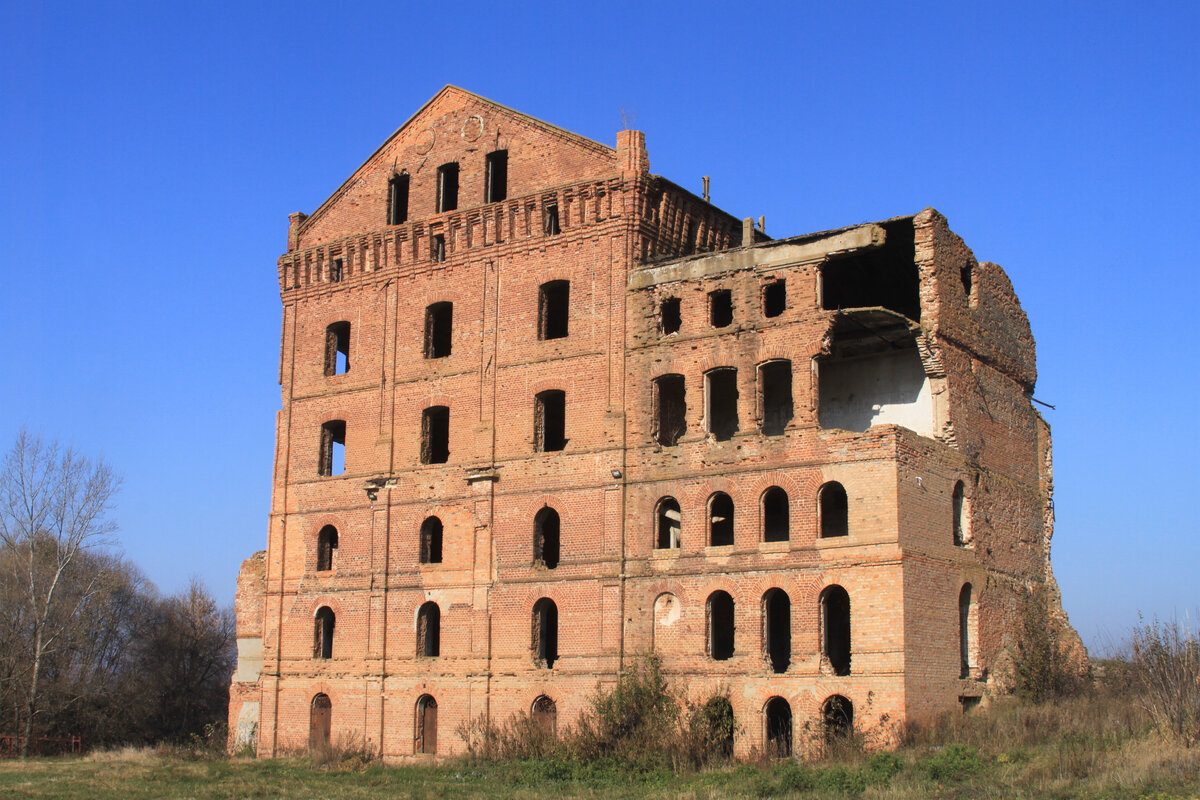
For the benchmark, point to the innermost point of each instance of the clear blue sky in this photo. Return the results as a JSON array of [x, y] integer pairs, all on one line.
[[150, 154]]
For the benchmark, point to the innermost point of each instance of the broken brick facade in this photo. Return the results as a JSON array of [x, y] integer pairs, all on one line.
[[544, 411]]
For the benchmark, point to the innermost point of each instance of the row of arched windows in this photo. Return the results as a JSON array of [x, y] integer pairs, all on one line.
[[832, 517]]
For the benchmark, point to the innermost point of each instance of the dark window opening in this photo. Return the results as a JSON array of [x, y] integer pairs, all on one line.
[[779, 728], [720, 308], [774, 298], [545, 633], [447, 187], [957, 500], [964, 631], [550, 224], [969, 703], [320, 718], [431, 541], [429, 631], [323, 633], [669, 317], [496, 178], [775, 382], [720, 520], [544, 714], [835, 510], [670, 410], [327, 544], [776, 515], [964, 274], [837, 718], [721, 396], [546, 538], [437, 247], [716, 728], [439, 322], [882, 276], [777, 629], [335, 271], [720, 626], [337, 349], [549, 421], [835, 629], [398, 199], [691, 237], [426, 725], [553, 307], [333, 448], [667, 523], [435, 435]]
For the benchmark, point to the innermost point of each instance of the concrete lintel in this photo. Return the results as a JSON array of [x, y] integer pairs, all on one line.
[[771, 256]]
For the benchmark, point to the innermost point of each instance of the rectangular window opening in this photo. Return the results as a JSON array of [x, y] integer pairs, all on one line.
[[553, 306], [774, 298], [398, 199], [438, 326], [720, 308], [496, 188], [447, 187], [776, 386], [670, 409], [337, 349], [720, 397], [549, 432], [333, 448], [435, 435], [437, 247], [550, 224], [335, 271], [669, 316]]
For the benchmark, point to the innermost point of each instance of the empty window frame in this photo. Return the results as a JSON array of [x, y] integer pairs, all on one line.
[[437, 247], [398, 199], [720, 401], [777, 629], [774, 298], [323, 623], [667, 523], [429, 630], [777, 715], [426, 739], [720, 308], [775, 396], [431, 541], [335, 270], [549, 421], [720, 626], [496, 177], [337, 349], [332, 459], [554, 301], [327, 545], [544, 713], [837, 718], [720, 520], [546, 538], [435, 435], [959, 507], [439, 324], [835, 628], [776, 515], [670, 409], [544, 642], [447, 187], [834, 510], [550, 225], [966, 631], [670, 318]]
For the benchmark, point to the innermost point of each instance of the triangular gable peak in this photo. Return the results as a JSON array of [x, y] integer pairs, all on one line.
[[455, 127]]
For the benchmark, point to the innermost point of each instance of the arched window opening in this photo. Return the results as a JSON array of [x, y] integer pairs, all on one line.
[[835, 510], [337, 349], [776, 515], [777, 629], [966, 631], [837, 718], [397, 198], [333, 448], [545, 633], [958, 499], [429, 630], [320, 721], [435, 435], [431, 541], [720, 626], [720, 520], [716, 728], [426, 725], [327, 544], [550, 421], [778, 715], [835, 628], [670, 409], [545, 715], [775, 396], [323, 633], [667, 524], [546, 538], [720, 402]]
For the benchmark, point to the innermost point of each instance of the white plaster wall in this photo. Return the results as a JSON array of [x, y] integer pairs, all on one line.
[[250, 659], [885, 388]]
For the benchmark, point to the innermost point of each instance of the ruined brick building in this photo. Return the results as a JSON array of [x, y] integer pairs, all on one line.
[[544, 410]]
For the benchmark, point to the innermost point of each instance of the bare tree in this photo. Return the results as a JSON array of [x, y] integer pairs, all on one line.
[[54, 506]]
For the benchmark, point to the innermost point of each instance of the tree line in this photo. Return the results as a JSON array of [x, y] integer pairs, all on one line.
[[88, 646]]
